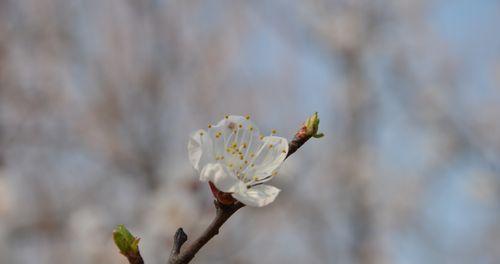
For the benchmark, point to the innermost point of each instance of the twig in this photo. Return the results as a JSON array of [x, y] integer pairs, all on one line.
[[223, 212], [135, 258]]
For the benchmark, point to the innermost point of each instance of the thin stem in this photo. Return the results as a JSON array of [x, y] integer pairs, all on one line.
[[134, 258], [223, 212]]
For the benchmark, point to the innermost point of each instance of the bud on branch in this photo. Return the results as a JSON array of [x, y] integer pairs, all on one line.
[[309, 129], [128, 244]]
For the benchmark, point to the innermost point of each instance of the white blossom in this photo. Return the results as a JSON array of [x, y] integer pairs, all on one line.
[[237, 159]]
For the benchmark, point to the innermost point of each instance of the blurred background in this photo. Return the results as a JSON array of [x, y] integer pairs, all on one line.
[[98, 97]]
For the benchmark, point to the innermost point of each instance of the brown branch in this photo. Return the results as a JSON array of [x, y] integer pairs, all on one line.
[[222, 214], [298, 140], [134, 258]]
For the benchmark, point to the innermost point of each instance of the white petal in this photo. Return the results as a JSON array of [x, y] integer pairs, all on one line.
[[235, 138], [270, 158], [222, 178], [257, 196], [238, 120], [200, 149]]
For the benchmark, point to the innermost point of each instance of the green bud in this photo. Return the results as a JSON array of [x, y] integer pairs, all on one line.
[[312, 124], [125, 241]]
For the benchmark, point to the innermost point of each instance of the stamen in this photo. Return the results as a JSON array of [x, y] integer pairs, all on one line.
[[209, 126], [226, 117], [226, 142], [201, 133], [240, 125], [247, 117], [273, 132]]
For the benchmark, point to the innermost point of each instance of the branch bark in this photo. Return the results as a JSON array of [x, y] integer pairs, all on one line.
[[223, 212], [135, 258]]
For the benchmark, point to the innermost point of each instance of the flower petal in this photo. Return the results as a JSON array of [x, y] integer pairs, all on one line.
[[257, 196], [235, 138], [200, 149], [272, 154], [222, 178], [238, 120]]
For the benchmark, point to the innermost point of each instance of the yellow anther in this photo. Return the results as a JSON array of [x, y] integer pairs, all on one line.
[[201, 133], [261, 137], [252, 155], [251, 128], [226, 117], [252, 165], [275, 173], [247, 117], [274, 131], [246, 161], [283, 151], [244, 145], [221, 157], [209, 126], [228, 150], [240, 125], [270, 146], [234, 145], [230, 165], [241, 167], [241, 157], [255, 178]]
